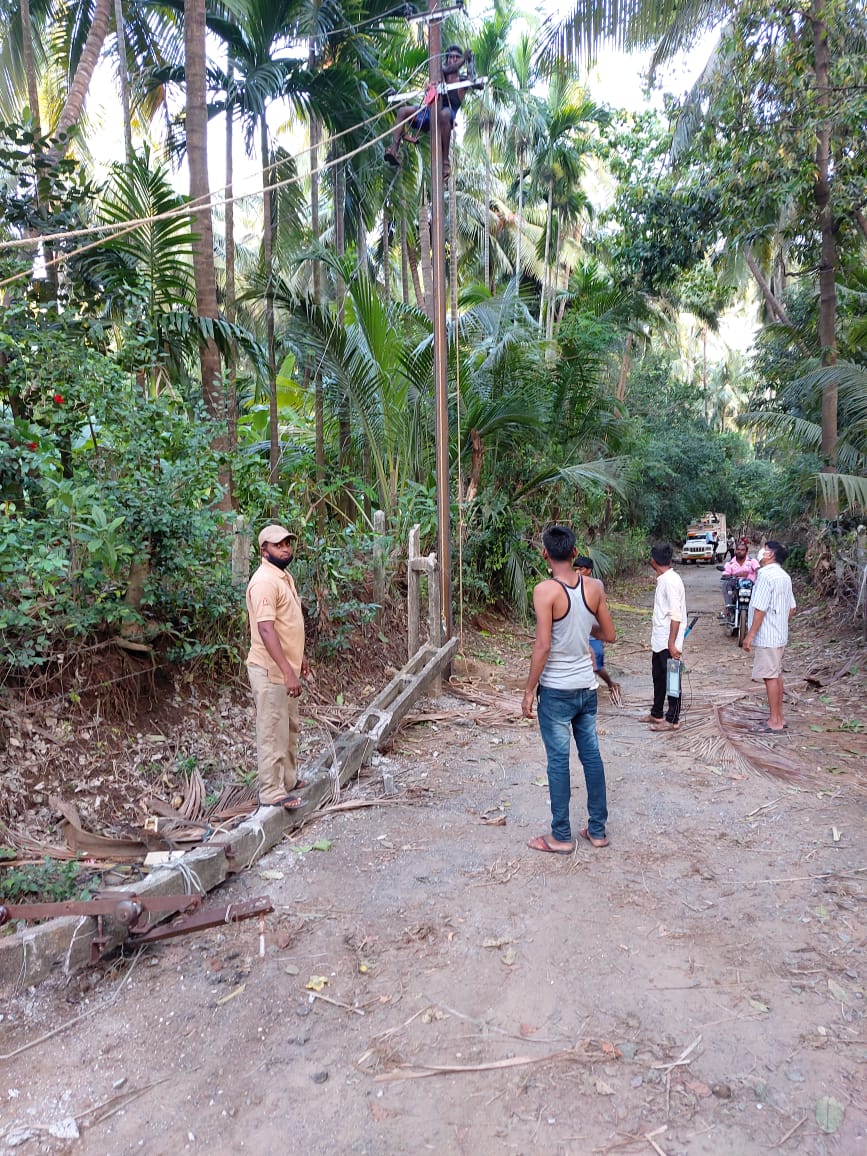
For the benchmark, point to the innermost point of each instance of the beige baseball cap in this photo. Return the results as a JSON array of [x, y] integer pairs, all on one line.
[[275, 534]]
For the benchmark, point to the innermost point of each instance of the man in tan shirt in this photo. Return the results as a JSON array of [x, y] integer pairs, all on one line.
[[275, 666]]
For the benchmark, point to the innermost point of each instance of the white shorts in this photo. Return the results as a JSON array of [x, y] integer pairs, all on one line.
[[767, 662]]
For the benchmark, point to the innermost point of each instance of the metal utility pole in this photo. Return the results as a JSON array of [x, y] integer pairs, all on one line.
[[441, 385]]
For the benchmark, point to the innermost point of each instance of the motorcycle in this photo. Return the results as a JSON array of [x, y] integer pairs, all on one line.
[[736, 615]]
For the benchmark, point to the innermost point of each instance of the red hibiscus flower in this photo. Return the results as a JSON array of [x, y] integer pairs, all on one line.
[[58, 397]]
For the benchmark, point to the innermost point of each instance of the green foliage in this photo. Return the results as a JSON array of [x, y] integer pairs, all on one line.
[[624, 552], [768, 92], [499, 557], [98, 479], [660, 227], [330, 575], [51, 881]]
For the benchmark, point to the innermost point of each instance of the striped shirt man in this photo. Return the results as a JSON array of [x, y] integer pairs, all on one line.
[[772, 593]]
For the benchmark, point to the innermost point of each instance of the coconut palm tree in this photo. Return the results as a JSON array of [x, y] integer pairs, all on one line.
[[200, 191], [261, 36]]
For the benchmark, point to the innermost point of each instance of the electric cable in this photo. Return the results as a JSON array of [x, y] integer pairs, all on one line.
[[122, 227], [198, 202], [190, 208]]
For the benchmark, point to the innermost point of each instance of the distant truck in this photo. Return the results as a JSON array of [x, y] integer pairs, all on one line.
[[705, 539]]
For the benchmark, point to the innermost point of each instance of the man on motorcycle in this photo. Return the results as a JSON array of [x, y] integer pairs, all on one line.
[[738, 567]]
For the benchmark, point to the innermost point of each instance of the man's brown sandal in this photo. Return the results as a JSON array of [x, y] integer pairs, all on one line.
[[592, 840]]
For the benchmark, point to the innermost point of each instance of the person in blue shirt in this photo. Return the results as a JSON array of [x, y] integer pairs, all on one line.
[[584, 566]]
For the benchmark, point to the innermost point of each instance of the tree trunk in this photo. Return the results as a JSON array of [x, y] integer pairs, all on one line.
[[203, 246], [828, 262], [520, 213], [555, 272], [344, 416], [123, 75], [426, 300], [453, 252], [268, 264], [546, 269], [318, 397], [88, 60], [363, 258], [231, 304], [625, 366], [775, 306], [416, 279], [487, 233], [30, 66], [476, 467], [404, 260], [386, 254]]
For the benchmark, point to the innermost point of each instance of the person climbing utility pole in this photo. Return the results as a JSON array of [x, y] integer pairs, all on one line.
[[415, 119]]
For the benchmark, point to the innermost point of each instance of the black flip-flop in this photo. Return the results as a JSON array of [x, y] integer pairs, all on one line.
[[288, 803], [764, 729]]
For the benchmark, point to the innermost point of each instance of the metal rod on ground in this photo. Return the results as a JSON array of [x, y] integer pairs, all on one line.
[[438, 269]]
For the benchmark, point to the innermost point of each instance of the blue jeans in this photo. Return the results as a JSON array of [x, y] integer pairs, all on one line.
[[562, 711]]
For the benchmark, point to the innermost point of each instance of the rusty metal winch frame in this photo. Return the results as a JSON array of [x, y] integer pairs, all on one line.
[[127, 909]]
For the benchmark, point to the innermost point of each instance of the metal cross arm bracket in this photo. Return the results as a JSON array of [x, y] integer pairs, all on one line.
[[438, 15], [468, 82], [123, 906], [127, 908], [412, 97], [207, 917]]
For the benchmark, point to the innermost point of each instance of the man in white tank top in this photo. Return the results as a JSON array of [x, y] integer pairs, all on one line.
[[570, 610]]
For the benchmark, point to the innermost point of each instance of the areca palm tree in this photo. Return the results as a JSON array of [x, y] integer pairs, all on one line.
[[487, 127], [144, 274], [526, 127], [558, 164], [796, 421], [378, 362]]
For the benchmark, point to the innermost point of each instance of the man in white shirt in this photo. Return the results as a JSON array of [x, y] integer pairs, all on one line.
[[771, 607], [666, 637]]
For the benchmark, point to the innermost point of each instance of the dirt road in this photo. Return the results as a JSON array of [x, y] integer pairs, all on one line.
[[697, 987]]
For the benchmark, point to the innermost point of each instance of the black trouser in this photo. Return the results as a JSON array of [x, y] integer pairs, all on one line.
[[659, 670]]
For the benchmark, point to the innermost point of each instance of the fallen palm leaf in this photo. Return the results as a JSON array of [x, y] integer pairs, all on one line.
[[94, 846], [721, 737]]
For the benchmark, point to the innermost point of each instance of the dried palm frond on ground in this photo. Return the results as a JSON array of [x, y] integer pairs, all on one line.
[[501, 709], [720, 736]]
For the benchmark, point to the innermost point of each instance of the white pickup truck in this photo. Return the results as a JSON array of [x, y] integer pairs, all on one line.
[[705, 539]]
